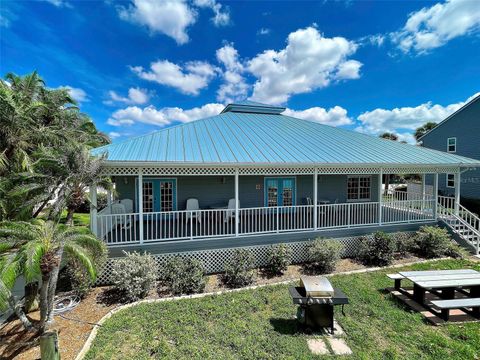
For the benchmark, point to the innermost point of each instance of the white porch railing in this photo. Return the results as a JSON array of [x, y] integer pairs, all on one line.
[[116, 229]]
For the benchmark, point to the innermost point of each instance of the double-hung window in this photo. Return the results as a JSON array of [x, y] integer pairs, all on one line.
[[450, 180], [358, 188], [452, 144]]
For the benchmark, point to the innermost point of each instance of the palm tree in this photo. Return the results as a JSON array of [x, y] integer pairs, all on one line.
[[422, 130], [36, 250]]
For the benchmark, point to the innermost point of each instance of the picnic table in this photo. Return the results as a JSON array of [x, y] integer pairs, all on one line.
[[444, 284]]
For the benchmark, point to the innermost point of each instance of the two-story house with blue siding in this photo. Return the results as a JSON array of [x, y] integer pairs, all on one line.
[[459, 134]]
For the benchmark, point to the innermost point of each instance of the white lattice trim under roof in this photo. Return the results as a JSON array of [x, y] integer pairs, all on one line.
[[291, 170]]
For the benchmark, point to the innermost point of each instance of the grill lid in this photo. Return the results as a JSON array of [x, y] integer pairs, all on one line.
[[316, 286]]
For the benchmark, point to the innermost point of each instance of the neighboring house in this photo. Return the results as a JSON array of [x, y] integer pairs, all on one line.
[[459, 134], [251, 176]]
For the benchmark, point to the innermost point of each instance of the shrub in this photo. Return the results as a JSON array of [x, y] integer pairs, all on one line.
[[377, 251], [134, 274], [278, 258], [239, 269], [80, 280], [456, 251], [323, 254], [404, 243], [432, 241], [183, 275]]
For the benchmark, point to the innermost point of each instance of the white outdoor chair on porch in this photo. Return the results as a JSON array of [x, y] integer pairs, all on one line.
[[194, 208], [123, 221], [230, 213], [128, 204]]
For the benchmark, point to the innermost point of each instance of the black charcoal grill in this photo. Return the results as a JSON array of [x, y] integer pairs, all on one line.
[[316, 299]]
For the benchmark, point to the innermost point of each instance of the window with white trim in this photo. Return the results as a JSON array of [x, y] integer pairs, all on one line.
[[358, 188], [450, 180], [452, 144]]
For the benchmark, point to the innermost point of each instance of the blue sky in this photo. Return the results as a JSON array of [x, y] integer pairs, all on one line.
[[140, 66]]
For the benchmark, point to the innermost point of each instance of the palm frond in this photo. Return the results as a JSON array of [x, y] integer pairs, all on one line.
[[79, 253], [34, 251], [10, 269], [5, 294]]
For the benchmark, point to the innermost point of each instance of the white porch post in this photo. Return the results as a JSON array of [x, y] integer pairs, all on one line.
[[140, 204], [109, 200], [93, 209], [457, 192], [423, 193], [315, 193], [380, 196], [237, 213], [435, 196]]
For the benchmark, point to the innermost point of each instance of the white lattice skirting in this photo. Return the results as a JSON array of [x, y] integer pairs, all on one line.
[[214, 260]]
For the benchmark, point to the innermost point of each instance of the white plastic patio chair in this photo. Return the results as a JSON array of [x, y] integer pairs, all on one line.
[[230, 213], [128, 204], [194, 208], [124, 221]]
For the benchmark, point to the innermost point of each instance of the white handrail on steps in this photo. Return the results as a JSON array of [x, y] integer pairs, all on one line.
[[469, 220]]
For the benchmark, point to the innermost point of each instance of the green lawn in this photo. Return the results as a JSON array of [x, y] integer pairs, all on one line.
[[79, 219], [258, 324]]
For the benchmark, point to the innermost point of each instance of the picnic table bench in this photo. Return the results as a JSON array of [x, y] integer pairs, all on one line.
[[444, 284]]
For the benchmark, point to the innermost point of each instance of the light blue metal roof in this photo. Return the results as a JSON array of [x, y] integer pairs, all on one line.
[[261, 135]]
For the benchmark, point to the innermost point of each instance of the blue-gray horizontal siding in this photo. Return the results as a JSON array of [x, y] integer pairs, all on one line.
[[465, 126], [217, 190]]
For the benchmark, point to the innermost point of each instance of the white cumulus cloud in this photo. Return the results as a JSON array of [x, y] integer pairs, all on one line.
[[221, 15], [79, 95], [234, 86], [309, 61], [335, 116], [163, 116], [405, 119], [169, 17], [434, 26], [135, 96], [188, 79]]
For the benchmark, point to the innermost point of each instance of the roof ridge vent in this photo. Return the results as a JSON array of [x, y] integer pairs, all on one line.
[[253, 107]]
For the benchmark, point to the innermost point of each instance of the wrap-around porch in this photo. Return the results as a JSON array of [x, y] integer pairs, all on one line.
[[354, 201]]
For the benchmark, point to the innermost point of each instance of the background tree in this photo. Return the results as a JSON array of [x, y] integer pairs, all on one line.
[[387, 177], [422, 130], [389, 136]]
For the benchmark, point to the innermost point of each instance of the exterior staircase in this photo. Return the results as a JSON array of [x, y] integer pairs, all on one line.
[[461, 221]]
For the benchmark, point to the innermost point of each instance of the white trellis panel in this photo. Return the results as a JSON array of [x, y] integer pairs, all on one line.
[[214, 260]]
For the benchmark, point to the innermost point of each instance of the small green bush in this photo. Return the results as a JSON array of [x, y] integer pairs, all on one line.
[[432, 242], [455, 251], [404, 243], [323, 254], [239, 269], [134, 275], [278, 258], [80, 280], [183, 275], [377, 251]]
